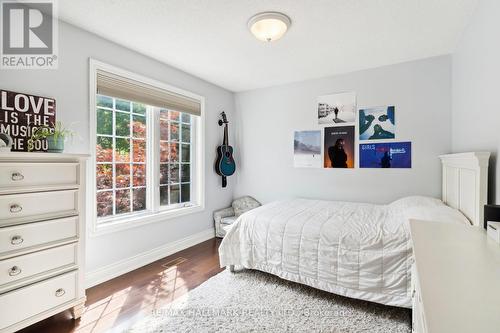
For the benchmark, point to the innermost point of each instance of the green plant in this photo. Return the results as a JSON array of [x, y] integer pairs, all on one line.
[[61, 132], [57, 132], [38, 134]]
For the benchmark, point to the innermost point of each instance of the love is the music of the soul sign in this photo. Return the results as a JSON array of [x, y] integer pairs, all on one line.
[[21, 114]]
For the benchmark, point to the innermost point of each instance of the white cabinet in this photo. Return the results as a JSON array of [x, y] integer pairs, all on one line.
[[31, 207], [418, 320], [455, 279], [37, 264], [37, 298], [16, 176], [42, 234]]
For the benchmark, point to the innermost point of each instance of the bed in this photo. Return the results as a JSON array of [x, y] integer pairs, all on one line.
[[357, 250]]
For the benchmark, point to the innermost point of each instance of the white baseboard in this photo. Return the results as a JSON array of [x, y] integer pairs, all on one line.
[[124, 266]]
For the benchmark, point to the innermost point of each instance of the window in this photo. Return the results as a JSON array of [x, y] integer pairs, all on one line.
[[147, 163], [175, 157], [121, 156]]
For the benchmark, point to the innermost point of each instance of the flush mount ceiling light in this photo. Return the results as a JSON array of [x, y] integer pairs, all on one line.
[[269, 26]]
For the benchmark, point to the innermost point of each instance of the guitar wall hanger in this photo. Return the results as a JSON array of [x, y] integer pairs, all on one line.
[[224, 165]]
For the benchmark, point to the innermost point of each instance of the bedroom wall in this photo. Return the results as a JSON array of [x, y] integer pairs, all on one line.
[[69, 85], [475, 85], [267, 118]]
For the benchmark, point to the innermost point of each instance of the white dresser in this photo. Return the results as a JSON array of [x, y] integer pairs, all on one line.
[[42, 233], [456, 279]]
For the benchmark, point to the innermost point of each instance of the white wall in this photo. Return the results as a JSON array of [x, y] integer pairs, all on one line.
[[475, 89], [265, 120], [421, 92], [69, 86]]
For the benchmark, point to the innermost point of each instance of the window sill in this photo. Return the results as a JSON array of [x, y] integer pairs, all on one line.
[[133, 221]]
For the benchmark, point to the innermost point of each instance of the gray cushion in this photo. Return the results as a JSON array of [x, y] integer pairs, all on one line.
[[228, 220], [244, 204]]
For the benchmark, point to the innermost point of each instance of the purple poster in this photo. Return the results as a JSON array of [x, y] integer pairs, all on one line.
[[385, 155]]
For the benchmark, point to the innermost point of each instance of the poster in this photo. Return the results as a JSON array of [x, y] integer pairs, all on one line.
[[339, 147], [337, 109], [307, 149], [20, 114], [385, 155], [377, 123]]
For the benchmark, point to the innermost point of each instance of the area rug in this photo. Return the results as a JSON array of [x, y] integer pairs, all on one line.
[[252, 301]]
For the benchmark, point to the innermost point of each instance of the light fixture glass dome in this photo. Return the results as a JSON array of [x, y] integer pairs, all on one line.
[[269, 26]]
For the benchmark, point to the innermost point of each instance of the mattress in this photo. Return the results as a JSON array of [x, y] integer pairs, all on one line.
[[356, 250]]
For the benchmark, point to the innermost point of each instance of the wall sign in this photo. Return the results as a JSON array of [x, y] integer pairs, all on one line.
[[21, 114]]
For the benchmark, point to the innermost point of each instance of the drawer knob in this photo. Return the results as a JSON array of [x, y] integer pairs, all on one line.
[[14, 271], [15, 208], [16, 240], [60, 292], [17, 176]]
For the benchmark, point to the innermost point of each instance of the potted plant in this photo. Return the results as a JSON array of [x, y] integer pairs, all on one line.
[[55, 137], [58, 136]]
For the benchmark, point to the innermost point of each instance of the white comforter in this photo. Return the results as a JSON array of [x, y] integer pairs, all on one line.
[[352, 249]]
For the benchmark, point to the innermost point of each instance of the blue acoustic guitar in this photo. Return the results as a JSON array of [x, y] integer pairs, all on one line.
[[224, 165]]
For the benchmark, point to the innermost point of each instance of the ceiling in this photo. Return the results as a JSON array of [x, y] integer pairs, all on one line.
[[210, 39]]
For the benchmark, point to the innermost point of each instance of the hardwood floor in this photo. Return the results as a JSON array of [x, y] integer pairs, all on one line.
[[118, 303]]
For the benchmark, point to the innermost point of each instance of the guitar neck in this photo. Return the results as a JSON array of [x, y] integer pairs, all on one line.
[[226, 141]]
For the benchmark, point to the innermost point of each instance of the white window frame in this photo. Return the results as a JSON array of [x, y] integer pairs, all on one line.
[[132, 220]]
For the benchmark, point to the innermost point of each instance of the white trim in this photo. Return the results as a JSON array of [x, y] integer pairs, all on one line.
[[197, 177], [134, 221], [109, 272]]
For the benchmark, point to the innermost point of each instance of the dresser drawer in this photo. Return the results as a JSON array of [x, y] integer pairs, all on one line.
[[26, 236], [32, 300], [27, 266], [27, 207], [14, 176]]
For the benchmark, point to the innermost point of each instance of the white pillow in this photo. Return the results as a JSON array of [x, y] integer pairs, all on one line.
[[415, 201], [441, 213]]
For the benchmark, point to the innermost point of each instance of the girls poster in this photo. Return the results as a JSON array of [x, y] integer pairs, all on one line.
[[385, 155]]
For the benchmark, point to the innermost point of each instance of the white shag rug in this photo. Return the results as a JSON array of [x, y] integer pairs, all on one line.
[[252, 301]]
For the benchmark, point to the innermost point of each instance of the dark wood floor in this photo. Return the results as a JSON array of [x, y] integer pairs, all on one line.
[[125, 299]]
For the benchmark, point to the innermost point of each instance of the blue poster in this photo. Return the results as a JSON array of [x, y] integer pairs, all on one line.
[[385, 155], [377, 123]]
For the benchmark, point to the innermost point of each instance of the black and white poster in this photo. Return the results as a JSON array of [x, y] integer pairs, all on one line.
[[337, 109]]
